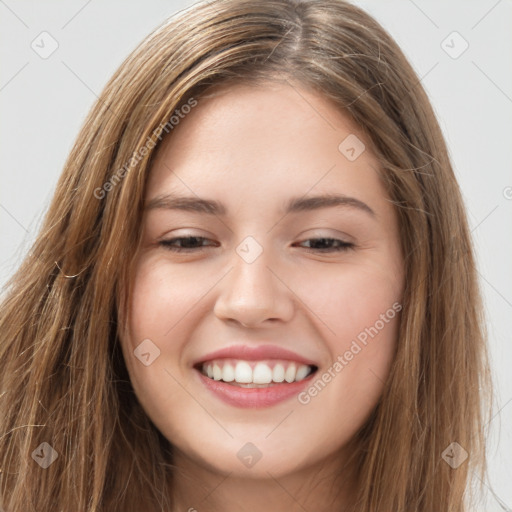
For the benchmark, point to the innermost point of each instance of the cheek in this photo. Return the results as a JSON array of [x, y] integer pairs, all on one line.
[[350, 299], [158, 309], [153, 300], [162, 302], [359, 311]]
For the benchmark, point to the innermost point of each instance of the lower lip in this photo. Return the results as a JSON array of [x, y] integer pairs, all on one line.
[[254, 397]]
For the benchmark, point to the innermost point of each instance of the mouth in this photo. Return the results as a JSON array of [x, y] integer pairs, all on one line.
[[255, 374], [254, 384]]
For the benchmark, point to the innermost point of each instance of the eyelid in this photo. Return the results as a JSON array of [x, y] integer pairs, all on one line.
[[339, 247], [326, 233]]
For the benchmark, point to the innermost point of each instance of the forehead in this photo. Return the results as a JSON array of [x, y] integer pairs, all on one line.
[[254, 142]]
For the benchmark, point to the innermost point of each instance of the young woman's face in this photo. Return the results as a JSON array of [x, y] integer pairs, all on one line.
[[271, 283]]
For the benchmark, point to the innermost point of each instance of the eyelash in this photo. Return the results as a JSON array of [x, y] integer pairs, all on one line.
[[342, 246]]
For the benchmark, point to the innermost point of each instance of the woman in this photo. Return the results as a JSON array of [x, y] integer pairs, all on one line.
[[254, 288]]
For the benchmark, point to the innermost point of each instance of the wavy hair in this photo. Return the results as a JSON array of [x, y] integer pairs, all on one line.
[[63, 378]]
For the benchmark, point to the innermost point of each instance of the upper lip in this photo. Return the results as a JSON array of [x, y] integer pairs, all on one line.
[[258, 353]]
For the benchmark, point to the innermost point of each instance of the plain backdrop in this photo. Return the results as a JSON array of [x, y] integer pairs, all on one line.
[[43, 102]]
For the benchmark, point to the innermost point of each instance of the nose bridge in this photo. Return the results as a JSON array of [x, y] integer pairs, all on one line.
[[252, 292]]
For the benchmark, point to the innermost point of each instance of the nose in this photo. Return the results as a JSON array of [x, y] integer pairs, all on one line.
[[253, 294]]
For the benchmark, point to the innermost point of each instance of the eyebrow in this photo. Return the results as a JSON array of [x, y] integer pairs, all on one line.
[[294, 205]]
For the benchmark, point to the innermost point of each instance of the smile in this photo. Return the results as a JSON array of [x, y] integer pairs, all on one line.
[[256, 374]]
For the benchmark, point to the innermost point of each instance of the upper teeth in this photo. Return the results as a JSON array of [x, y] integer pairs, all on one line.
[[255, 372]]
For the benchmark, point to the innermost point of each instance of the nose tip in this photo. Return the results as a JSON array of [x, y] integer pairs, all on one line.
[[254, 322], [252, 294]]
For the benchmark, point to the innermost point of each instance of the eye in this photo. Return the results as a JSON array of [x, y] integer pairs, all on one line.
[[328, 245], [193, 244]]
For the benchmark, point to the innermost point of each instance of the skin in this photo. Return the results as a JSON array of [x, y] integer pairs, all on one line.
[[253, 148]]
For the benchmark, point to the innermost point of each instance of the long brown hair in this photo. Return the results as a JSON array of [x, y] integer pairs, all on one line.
[[63, 378]]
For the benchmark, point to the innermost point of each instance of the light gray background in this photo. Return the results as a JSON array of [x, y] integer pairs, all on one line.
[[43, 102]]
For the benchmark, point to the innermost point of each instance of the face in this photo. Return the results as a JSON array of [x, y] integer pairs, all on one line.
[[263, 318]]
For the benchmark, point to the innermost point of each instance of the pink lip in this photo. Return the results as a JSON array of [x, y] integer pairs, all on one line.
[[261, 352], [253, 397]]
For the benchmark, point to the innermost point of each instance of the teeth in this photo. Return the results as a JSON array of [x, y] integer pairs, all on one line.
[[290, 373], [243, 372], [278, 373], [302, 372], [217, 372], [262, 374], [255, 373], [228, 373]]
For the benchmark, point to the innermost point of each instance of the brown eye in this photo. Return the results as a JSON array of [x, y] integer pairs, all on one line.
[[328, 245], [183, 244]]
